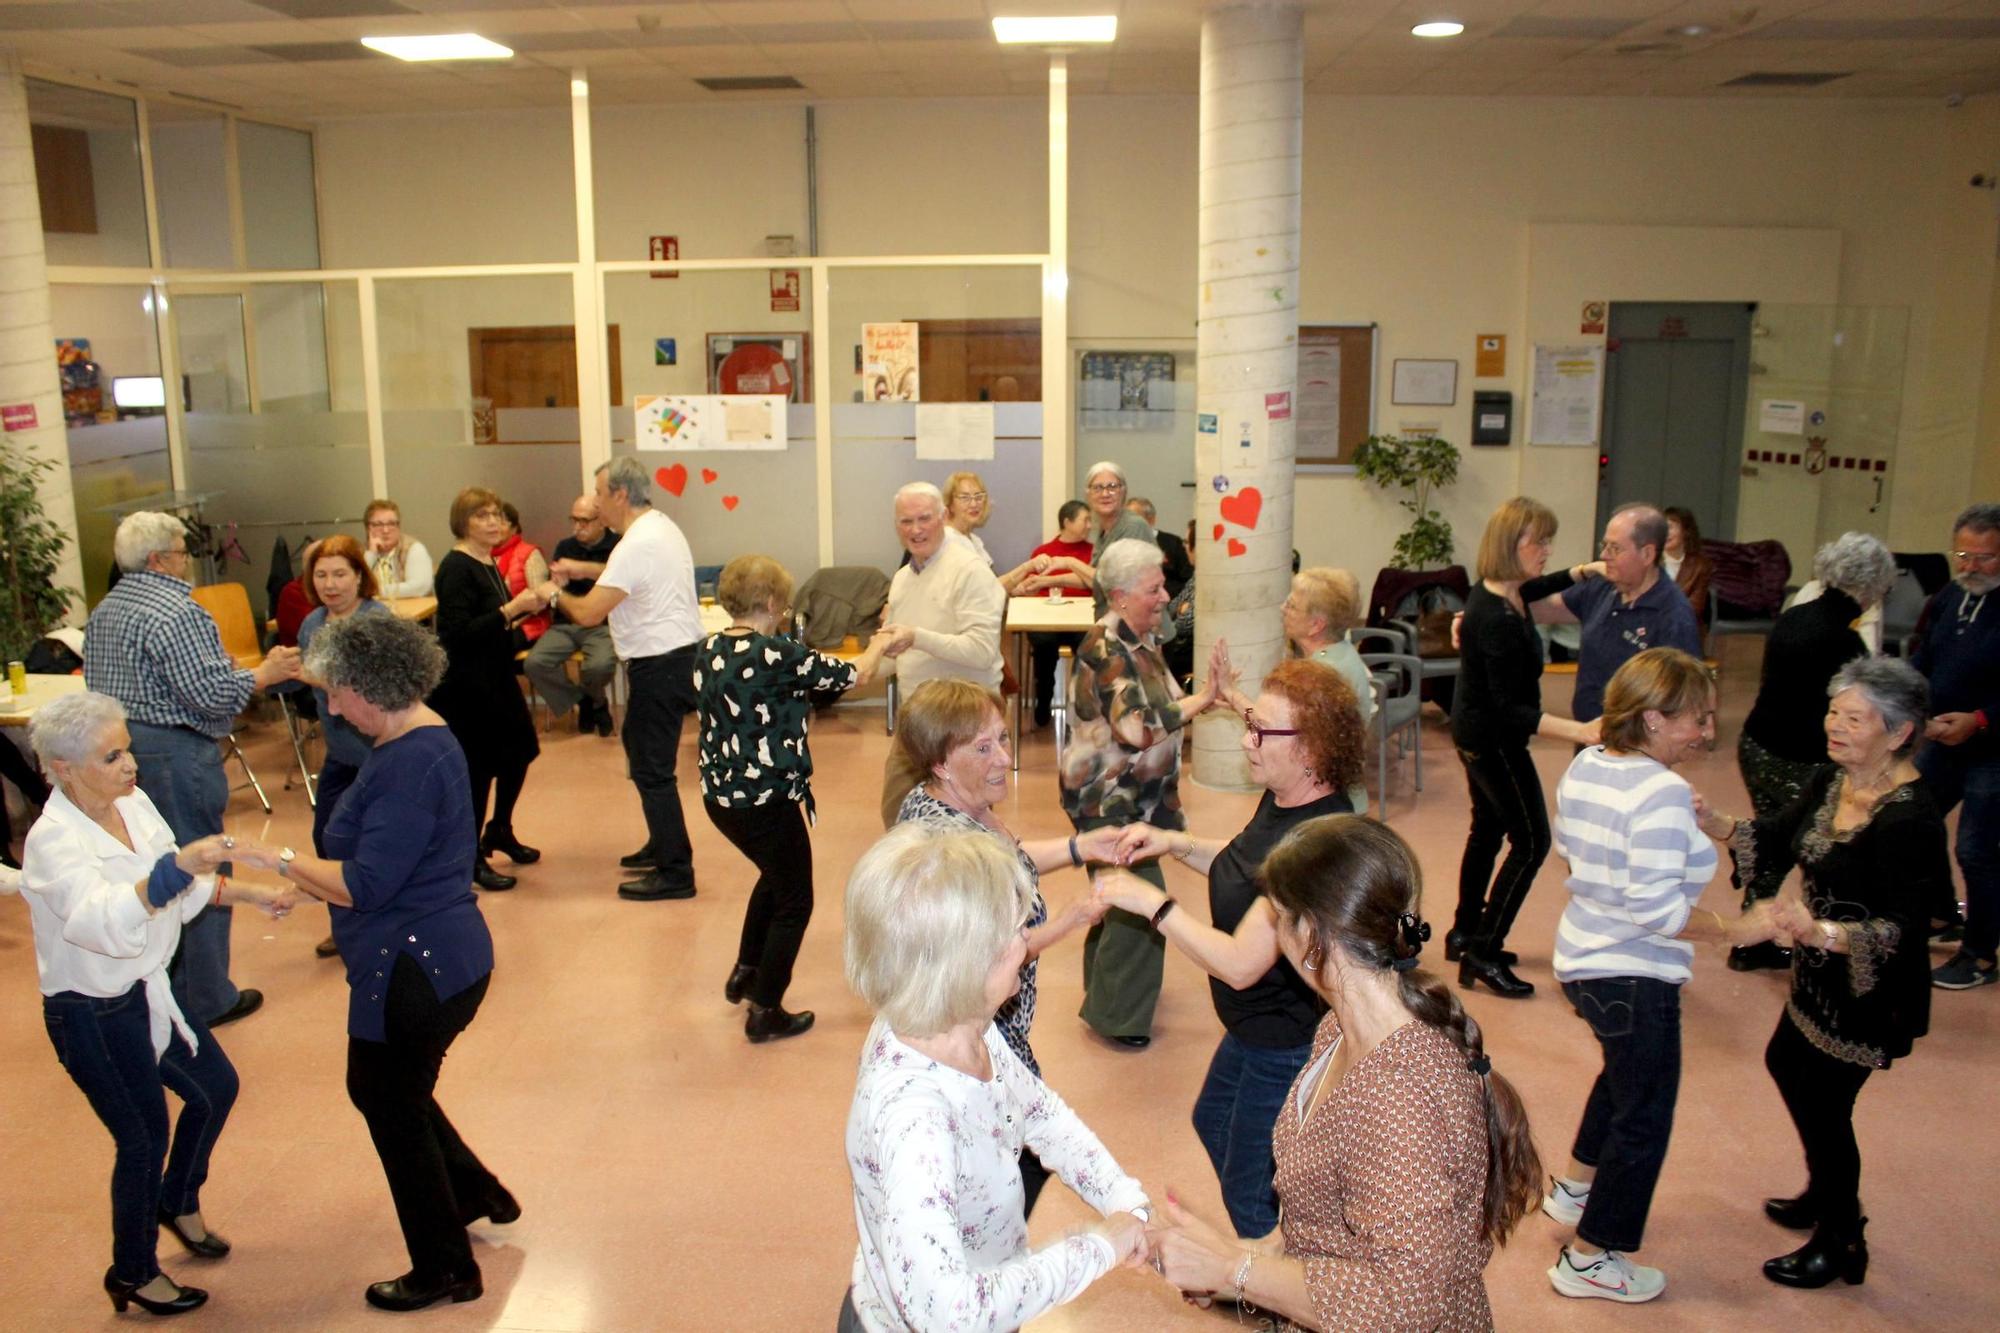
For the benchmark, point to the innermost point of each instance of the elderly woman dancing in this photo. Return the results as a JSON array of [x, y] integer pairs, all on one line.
[[1303, 744], [1123, 766], [1867, 837], [107, 893], [1784, 738], [397, 875], [936, 934], [1403, 1158]]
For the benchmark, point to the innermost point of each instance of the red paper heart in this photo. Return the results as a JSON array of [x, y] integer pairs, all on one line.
[[1236, 548], [708, 476], [1243, 507], [730, 501], [673, 478], [1218, 532]]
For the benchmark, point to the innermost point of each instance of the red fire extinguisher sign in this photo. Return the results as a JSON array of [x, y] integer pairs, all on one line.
[[664, 247]]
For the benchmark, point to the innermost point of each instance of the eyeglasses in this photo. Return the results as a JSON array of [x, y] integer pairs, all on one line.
[[1257, 733], [969, 496], [581, 522], [1611, 549], [1105, 487], [385, 523], [1986, 558]]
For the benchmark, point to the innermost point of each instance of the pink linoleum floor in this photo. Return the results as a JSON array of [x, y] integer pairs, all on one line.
[[675, 1177]]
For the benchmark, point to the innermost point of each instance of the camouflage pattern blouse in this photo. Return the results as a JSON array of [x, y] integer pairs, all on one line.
[[1123, 762]]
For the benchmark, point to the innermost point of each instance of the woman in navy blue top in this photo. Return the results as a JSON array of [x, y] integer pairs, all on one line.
[[397, 874]]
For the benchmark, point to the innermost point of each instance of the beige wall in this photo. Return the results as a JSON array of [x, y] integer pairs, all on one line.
[[1438, 218]]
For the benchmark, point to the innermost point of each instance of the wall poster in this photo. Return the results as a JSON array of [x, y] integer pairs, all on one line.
[[889, 363], [686, 422]]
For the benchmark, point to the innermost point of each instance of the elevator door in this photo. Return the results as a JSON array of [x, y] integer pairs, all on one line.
[[1674, 396]]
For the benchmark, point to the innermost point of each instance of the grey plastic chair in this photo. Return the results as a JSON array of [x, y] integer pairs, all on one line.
[[1399, 707]]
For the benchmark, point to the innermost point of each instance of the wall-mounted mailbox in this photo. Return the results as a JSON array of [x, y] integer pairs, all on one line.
[[1492, 416]]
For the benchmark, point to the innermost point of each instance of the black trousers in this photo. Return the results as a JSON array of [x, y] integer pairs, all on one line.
[[435, 1180], [1507, 804], [504, 783], [1046, 647], [662, 694], [775, 838], [1819, 1091]]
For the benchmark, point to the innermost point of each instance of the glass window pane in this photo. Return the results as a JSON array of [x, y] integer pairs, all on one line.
[[215, 360], [280, 221], [87, 175], [190, 182], [1130, 410]]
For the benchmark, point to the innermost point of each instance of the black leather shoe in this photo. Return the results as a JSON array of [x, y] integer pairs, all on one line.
[[1800, 1214], [248, 1002], [1752, 957], [586, 716], [639, 860], [1496, 975], [499, 1208], [122, 1295], [504, 842], [326, 948], [764, 1024], [652, 889], [486, 877], [738, 985], [1138, 1043], [1454, 946], [604, 720], [210, 1246], [410, 1292], [1833, 1252]]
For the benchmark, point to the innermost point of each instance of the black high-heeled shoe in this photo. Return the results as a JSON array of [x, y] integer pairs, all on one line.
[[1833, 1252], [486, 877], [1800, 1214], [504, 842], [127, 1293], [410, 1292], [1454, 947], [1472, 968], [738, 985], [764, 1023], [210, 1246]]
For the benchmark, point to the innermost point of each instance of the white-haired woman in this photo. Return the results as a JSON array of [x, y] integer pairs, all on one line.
[[108, 893], [1784, 738], [1104, 486], [1123, 766], [936, 932], [1870, 845]]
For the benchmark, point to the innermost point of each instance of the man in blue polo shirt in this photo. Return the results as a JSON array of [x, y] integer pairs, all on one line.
[[1632, 608]]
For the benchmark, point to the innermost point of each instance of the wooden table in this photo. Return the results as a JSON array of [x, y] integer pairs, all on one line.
[[413, 608], [1032, 615], [16, 710]]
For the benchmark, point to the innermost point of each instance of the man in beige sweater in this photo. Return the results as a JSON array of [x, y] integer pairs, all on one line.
[[945, 607]]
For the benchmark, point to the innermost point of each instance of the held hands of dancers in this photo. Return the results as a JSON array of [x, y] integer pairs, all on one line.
[[1193, 1255], [204, 855], [1717, 826], [1124, 890], [1127, 1235], [901, 639]]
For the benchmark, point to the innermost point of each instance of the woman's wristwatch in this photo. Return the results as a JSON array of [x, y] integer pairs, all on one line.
[[285, 858]]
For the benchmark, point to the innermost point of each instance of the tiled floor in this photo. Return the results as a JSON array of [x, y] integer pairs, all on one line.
[[675, 1177]]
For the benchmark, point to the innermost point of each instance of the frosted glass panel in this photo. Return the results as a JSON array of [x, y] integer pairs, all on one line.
[[108, 465], [190, 179], [213, 354], [93, 205], [874, 452], [725, 334], [280, 225]]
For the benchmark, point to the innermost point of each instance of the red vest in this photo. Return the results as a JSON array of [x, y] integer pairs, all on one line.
[[511, 558]]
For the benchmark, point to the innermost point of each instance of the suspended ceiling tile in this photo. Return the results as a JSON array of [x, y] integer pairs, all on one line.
[[196, 57], [334, 9], [871, 11], [788, 34]]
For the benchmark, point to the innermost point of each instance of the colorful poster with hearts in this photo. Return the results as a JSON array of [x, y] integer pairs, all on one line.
[[683, 422]]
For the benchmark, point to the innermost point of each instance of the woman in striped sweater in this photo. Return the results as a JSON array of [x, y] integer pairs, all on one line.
[[1625, 822]]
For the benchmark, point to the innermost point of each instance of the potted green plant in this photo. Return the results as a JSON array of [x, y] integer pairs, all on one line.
[[1417, 465], [30, 554]]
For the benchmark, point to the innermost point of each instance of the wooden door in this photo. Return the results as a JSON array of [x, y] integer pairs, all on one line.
[[534, 367], [979, 360]]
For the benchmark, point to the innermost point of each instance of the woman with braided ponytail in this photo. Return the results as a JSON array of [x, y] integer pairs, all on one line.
[[1403, 1159]]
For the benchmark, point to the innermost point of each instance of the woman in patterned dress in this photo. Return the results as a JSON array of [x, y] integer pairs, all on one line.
[[753, 691], [936, 935], [1402, 1158], [951, 755]]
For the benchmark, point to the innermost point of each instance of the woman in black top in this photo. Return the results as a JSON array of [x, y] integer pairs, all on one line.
[[1304, 746], [1495, 711], [1870, 843], [1784, 739], [480, 697]]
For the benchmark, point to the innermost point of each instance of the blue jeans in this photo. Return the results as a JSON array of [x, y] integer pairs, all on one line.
[[181, 771], [107, 1047], [1238, 1107], [1630, 1114], [1956, 778]]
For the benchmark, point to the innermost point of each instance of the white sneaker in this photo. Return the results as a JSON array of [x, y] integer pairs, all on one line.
[[1564, 1202], [1610, 1276]]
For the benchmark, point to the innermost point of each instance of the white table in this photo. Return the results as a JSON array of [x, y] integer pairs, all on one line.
[[17, 710], [1030, 615]]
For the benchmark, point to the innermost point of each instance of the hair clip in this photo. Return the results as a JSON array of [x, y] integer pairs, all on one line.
[[1405, 964], [1480, 1065]]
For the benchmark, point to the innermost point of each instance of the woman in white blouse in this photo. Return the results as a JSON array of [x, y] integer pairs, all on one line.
[[942, 1108], [401, 563], [108, 892]]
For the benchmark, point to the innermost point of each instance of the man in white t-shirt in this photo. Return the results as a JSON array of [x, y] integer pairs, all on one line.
[[945, 606], [646, 590]]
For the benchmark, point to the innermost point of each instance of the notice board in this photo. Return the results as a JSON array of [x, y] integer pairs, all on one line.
[[1335, 404]]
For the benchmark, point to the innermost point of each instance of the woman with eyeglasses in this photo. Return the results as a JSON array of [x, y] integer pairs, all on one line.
[[1303, 744], [401, 565], [966, 511], [1495, 711]]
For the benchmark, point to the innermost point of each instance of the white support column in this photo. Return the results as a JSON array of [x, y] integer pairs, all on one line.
[[822, 391], [27, 342], [1252, 105], [1058, 446], [371, 390], [163, 332], [593, 370]]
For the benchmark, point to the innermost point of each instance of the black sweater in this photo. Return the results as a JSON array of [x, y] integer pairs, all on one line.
[[1807, 645], [1498, 700]]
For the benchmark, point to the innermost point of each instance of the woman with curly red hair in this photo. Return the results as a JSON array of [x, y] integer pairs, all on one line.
[[1304, 747]]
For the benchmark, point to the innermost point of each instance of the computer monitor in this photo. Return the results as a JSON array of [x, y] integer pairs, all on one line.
[[139, 393]]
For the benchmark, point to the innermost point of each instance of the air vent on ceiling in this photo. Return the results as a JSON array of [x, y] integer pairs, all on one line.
[[751, 83], [1645, 48], [1776, 79]]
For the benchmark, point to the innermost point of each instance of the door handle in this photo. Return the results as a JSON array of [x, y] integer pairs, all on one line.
[[1878, 496]]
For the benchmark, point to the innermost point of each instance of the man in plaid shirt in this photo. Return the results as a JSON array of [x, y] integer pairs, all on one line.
[[152, 647]]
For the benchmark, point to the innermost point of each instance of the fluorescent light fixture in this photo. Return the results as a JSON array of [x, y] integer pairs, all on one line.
[[1056, 31], [1693, 30], [442, 46], [1439, 28]]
